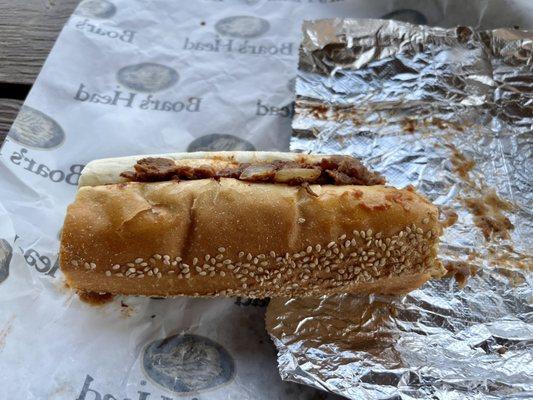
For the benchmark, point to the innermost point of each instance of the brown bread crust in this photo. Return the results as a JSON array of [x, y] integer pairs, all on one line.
[[160, 239]]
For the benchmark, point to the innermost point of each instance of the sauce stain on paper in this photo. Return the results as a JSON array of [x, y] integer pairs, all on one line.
[[5, 331]]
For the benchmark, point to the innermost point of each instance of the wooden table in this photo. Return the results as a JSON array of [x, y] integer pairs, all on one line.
[[28, 30]]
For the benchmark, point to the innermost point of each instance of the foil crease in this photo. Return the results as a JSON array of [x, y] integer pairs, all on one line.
[[449, 111]]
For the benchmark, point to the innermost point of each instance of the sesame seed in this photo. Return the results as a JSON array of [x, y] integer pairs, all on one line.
[[363, 234], [218, 265], [256, 260], [187, 275], [156, 270], [157, 256], [301, 220], [272, 254], [138, 260], [166, 262], [180, 276], [172, 272], [212, 273], [194, 261], [119, 274], [231, 266], [159, 274], [146, 269], [347, 243], [151, 260], [222, 273], [241, 254], [150, 273], [221, 249], [264, 263], [130, 265], [207, 257], [174, 263], [178, 259], [342, 237], [331, 244], [116, 266], [108, 273], [226, 262], [203, 273], [244, 285], [93, 265], [219, 257], [213, 261], [166, 257], [74, 262], [144, 264], [131, 270], [249, 257], [198, 268]]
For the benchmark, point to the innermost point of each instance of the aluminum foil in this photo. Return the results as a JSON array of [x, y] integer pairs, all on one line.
[[449, 111]]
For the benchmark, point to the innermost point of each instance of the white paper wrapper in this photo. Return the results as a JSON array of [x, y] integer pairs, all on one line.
[[137, 77]]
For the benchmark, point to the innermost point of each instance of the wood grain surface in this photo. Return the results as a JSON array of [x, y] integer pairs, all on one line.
[[8, 111], [28, 30]]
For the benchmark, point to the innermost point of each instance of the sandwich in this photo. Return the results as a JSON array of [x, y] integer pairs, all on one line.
[[252, 224]]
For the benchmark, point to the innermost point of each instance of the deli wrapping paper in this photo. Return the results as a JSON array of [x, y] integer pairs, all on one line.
[[139, 77]]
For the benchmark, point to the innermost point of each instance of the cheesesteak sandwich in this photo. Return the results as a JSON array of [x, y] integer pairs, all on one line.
[[254, 224]]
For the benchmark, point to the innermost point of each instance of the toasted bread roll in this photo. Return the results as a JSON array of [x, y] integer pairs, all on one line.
[[184, 235]]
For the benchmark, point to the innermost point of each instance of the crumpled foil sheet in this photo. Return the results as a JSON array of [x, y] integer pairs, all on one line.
[[449, 111]]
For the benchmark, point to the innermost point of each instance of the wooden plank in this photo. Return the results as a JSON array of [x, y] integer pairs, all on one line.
[[28, 30], [8, 111]]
